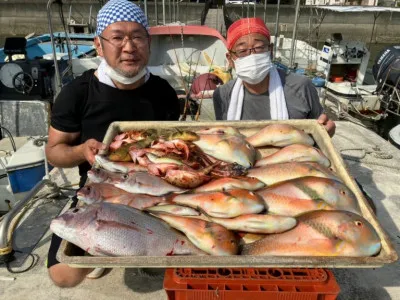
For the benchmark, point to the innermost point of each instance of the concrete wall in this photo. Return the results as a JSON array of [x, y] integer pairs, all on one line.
[[21, 17]]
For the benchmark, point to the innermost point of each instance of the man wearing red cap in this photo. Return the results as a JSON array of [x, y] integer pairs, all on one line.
[[260, 91]]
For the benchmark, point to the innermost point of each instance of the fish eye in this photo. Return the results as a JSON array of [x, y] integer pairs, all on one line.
[[342, 192], [88, 188], [75, 210], [358, 223], [125, 176]]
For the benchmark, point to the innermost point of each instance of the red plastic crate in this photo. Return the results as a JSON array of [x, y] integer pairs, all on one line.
[[250, 283]]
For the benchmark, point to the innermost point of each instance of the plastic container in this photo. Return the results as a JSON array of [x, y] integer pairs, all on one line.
[[250, 283], [300, 71], [26, 167], [318, 81], [337, 78]]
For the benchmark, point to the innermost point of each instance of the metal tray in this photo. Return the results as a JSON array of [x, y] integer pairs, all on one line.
[[387, 254]]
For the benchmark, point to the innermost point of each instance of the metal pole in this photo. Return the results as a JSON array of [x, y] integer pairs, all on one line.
[[177, 10], [173, 11], [90, 19], [294, 33], [163, 11], [265, 11], [58, 84], [217, 21], [169, 11], [145, 9], [186, 14], [255, 8], [156, 11], [276, 26], [248, 8], [242, 7], [376, 16], [69, 14]]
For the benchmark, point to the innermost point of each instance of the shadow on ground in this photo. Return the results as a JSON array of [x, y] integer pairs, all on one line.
[[144, 280]]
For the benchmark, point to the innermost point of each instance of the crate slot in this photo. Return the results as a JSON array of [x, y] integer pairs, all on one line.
[[251, 287], [196, 286], [233, 287], [269, 288], [305, 289], [215, 287], [224, 272], [300, 273], [262, 272], [288, 274], [286, 288], [276, 273], [201, 272]]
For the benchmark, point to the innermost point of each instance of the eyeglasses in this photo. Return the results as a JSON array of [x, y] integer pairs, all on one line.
[[246, 52], [120, 41]]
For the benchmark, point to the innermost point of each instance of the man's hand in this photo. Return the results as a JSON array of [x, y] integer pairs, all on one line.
[[61, 150], [328, 124], [90, 148]]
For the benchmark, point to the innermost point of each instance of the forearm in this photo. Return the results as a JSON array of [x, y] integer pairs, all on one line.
[[65, 156]]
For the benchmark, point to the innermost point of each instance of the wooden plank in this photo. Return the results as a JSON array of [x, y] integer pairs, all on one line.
[[387, 254]]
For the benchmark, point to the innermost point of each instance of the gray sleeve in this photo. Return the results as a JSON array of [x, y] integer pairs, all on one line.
[[301, 97], [218, 104], [312, 98], [221, 99]]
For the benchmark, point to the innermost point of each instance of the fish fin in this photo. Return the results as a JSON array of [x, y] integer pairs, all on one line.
[[169, 198], [202, 211]]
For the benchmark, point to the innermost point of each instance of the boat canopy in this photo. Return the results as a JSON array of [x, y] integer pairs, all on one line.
[[374, 9]]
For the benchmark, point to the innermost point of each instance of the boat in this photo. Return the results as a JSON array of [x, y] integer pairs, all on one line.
[[40, 47], [350, 85], [32, 68], [350, 89]]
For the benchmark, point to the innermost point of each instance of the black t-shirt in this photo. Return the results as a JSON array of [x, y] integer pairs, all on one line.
[[88, 106]]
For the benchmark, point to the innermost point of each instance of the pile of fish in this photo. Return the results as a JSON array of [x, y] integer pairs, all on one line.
[[217, 192]]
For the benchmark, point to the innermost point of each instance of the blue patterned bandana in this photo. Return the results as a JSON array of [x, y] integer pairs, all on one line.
[[119, 11]]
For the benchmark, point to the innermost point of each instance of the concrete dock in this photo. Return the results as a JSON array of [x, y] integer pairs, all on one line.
[[379, 178]]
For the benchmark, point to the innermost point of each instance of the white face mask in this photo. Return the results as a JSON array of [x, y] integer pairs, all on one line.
[[254, 67], [117, 76]]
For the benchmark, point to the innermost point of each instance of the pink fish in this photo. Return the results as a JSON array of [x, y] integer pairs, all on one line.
[[279, 135], [321, 233]]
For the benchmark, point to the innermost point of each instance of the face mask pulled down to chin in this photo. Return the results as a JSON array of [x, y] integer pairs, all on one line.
[[254, 67], [117, 76]]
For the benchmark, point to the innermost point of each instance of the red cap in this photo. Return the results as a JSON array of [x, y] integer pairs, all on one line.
[[246, 26]]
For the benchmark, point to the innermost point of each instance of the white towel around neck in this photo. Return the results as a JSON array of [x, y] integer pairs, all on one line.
[[104, 78], [277, 100]]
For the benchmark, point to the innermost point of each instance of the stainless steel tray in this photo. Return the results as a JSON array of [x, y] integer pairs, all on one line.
[[387, 254]]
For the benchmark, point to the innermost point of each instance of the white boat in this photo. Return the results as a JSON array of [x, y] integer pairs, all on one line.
[[349, 83]]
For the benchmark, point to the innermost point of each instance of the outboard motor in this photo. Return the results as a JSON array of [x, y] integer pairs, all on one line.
[[386, 72], [386, 69]]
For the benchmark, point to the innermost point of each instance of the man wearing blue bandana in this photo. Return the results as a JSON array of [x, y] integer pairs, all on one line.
[[121, 89]]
